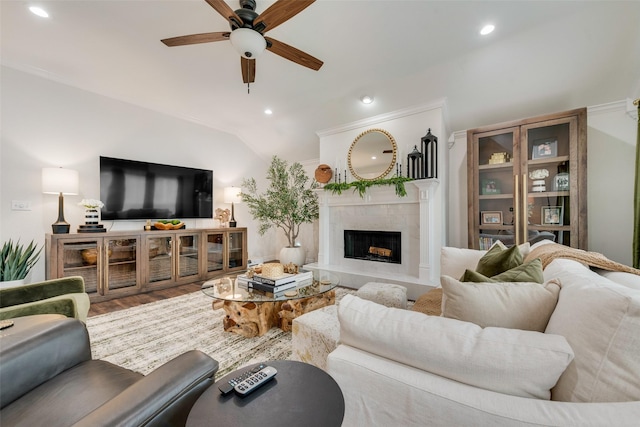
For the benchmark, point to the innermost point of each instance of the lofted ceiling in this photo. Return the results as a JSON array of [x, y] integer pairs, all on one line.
[[544, 56]]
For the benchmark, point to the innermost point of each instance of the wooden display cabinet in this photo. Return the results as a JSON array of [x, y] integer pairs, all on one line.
[[115, 264], [527, 181]]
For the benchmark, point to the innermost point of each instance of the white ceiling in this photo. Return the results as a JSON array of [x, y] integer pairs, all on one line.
[[544, 56]]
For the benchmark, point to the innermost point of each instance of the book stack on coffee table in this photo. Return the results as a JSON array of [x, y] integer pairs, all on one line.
[[276, 286]]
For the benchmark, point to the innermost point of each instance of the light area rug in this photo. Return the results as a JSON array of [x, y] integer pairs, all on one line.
[[144, 337]]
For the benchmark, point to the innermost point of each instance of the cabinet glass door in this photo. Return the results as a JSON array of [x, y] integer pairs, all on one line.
[[188, 255], [121, 263], [550, 164], [496, 154], [80, 258], [215, 252], [158, 251], [236, 250]]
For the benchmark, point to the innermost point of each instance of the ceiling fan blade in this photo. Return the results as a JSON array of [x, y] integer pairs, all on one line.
[[279, 12], [293, 54], [223, 9], [248, 69], [197, 38]]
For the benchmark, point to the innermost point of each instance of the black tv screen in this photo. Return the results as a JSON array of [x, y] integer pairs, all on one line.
[[132, 189]]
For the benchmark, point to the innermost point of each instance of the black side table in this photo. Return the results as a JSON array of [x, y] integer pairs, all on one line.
[[300, 394]]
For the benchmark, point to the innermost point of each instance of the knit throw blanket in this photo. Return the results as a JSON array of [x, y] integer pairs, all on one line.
[[551, 251]]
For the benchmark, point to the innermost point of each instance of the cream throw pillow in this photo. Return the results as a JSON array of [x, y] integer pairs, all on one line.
[[601, 321], [519, 305], [509, 361]]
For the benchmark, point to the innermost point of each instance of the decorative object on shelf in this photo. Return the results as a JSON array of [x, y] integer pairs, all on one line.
[[91, 216], [544, 148], [372, 155], [90, 256], [323, 174], [490, 186], [499, 158], [288, 202], [147, 226], [552, 215], [491, 217], [222, 215], [16, 262], [430, 153], [232, 195], [361, 186], [539, 174], [415, 164], [539, 186], [168, 224], [60, 181], [561, 182]]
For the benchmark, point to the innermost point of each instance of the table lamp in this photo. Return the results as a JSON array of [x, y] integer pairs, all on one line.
[[232, 195], [60, 181]]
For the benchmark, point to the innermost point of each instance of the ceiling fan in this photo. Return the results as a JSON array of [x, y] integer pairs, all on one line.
[[247, 33]]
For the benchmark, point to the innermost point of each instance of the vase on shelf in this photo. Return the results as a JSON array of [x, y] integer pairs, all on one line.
[[91, 216], [91, 222]]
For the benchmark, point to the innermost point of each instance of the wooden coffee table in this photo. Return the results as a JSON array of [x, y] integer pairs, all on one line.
[[300, 394], [252, 314]]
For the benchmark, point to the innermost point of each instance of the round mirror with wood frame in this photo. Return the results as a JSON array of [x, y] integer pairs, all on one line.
[[372, 155]]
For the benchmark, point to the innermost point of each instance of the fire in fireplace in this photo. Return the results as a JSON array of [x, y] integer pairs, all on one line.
[[381, 246]]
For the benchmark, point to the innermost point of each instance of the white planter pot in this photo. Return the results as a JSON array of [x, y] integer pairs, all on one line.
[[11, 284], [294, 255]]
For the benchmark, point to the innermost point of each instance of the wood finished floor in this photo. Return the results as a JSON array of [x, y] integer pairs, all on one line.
[[135, 300]]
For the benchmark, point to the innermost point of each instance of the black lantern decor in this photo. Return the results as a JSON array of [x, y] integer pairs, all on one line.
[[430, 152], [414, 164]]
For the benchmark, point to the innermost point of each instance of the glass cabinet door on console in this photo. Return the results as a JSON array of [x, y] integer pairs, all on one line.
[[121, 270], [527, 181], [158, 251], [237, 247], [79, 257], [188, 255], [214, 252]]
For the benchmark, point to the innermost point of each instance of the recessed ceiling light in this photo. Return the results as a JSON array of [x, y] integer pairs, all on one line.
[[367, 99], [268, 112], [487, 29], [39, 11]]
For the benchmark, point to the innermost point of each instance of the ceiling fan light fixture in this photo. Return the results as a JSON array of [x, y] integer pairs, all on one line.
[[487, 29], [247, 42]]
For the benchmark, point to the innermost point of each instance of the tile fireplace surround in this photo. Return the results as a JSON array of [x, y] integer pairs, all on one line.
[[418, 216]]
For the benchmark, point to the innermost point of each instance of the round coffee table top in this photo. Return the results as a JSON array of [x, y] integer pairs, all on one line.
[[300, 394]]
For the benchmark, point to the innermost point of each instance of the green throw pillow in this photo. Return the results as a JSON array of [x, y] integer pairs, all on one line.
[[497, 260], [528, 272]]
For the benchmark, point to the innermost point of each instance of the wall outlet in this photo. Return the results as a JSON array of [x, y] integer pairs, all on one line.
[[20, 205]]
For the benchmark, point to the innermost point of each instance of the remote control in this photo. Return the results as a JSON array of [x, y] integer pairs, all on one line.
[[226, 388], [256, 380]]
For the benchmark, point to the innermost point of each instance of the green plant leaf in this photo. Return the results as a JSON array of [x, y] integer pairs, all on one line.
[[16, 261], [361, 186]]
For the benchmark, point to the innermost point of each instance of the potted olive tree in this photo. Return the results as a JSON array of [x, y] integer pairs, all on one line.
[[287, 203], [16, 261]]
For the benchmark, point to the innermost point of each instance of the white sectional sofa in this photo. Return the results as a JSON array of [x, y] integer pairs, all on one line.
[[403, 368]]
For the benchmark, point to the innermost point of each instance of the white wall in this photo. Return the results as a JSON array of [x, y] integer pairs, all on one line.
[[47, 124], [611, 145]]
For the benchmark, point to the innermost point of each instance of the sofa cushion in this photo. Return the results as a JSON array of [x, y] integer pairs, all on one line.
[[517, 305], [498, 260], [528, 272], [510, 361], [601, 321]]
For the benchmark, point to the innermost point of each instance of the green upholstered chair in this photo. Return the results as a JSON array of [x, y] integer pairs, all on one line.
[[65, 296]]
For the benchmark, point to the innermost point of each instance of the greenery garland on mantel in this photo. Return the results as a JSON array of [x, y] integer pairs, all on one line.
[[361, 186]]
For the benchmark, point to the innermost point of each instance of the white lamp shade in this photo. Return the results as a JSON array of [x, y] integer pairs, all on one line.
[[247, 42], [232, 195], [59, 180]]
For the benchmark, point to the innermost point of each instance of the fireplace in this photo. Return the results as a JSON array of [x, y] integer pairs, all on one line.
[[379, 246]]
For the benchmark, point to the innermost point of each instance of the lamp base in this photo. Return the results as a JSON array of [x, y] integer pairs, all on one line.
[[232, 224], [60, 228]]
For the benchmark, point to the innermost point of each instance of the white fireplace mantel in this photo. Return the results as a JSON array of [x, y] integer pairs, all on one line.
[[417, 215]]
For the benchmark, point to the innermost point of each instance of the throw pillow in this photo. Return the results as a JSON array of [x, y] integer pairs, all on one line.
[[519, 305], [601, 321], [510, 361], [528, 272], [498, 260]]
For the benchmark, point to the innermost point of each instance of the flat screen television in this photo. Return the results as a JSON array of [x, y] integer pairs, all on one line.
[[133, 189]]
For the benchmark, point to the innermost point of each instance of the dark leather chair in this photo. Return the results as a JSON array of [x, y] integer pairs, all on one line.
[[49, 379]]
